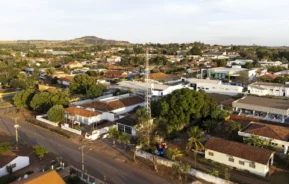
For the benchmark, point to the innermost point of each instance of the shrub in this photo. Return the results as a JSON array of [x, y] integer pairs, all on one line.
[[56, 113], [59, 132], [4, 146]]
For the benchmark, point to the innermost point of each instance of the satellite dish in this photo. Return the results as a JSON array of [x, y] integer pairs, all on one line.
[[25, 176]]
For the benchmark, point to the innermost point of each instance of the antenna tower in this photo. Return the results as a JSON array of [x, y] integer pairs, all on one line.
[[148, 87]]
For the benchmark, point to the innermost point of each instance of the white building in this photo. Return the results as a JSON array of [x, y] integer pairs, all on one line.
[[240, 156], [127, 125], [16, 161], [83, 116], [277, 135], [266, 88], [239, 62], [213, 86], [227, 73], [272, 63], [157, 90]]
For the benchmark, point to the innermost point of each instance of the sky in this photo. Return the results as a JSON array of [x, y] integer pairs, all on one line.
[[238, 22]]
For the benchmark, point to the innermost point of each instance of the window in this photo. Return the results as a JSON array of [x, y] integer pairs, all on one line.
[[241, 162], [211, 153], [13, 165], [120, 128], [207, 88], [252, 165], [231, 159], [128, 129]]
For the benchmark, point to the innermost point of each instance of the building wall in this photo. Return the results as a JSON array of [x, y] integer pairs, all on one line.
[[20, 161], [219, 88], [269, 90], [128, 109], [222, 158], [133, 130]]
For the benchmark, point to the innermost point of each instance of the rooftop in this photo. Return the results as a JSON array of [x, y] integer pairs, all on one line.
[[141, 85], [264, 102], [81, 112], [194, 80], [157, 76], [270, 131], [266, 84], [115, 103], [240, 150], [51, 177]]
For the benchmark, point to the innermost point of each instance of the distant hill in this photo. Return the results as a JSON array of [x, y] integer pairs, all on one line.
[[83, 41]]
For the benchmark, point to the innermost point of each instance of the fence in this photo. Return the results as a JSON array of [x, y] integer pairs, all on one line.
[[66, 127], [87, 178], [193, 172], [40, 118]]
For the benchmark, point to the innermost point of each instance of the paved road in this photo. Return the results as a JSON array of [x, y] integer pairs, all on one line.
[[97, 164]]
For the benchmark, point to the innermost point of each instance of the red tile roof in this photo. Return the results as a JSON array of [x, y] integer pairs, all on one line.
[[270, 131], [156, 76], [240, 150], [113, 73], [81, 112], [269, 76]]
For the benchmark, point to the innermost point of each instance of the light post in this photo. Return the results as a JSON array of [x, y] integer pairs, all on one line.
[[16, 126]]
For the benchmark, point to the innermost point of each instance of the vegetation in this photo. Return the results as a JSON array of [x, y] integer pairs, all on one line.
[[23, 98], [94, 91], [181, 170], [81, 84], [113, 133], [40, 151], [258, 142], [4, 146], [144, 127], [174, 153], [56, 113]]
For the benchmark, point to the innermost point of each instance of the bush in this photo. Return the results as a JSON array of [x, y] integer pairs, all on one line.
[[4, 146], [59, 132]]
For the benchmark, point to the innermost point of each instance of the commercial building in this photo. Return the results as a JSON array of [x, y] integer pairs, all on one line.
[[240, 156], [278, 136], [268, 109], [228, 73], [213, 86], [266, 88]]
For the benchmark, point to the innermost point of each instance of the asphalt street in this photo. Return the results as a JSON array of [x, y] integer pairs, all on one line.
[[96, 163]]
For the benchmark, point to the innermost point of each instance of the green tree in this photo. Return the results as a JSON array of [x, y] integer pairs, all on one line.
[[23, 98], [56, 113], [94, 91], [44, 100], [243, 77], [81, 83], [144, 126], [49, 72], [181, 170], [196, 137], [221, 62], [174, 153], [40, 151], [4, 146], [124, 138], [248, 65], [195, 51], [114, 134], [210, 124]]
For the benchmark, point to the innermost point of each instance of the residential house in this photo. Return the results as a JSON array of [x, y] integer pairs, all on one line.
[[240, 156], [268, 109], [72, 65], [113, 59], [50, 177], [278, 136], [271, 63], [83, 116], [115, 74], [268, 77], [127, 124], [265, 88], [15, 159], [162, 78], [65, 81], [241, 62]]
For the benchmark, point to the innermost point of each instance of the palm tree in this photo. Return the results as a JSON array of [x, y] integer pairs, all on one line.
[[173, 153], [255, 141], [196, 136]]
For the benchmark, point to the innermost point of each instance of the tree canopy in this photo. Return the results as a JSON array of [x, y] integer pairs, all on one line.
[[56, 113], [81, 83], [22, 99], [94, 91]]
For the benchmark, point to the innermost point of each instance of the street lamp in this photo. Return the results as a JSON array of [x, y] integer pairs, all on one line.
[[16, 126]]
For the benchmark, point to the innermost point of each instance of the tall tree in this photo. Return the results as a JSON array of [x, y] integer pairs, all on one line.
[[144, 126], [22, 99], [94, 91], [56, 113], [81, 83]]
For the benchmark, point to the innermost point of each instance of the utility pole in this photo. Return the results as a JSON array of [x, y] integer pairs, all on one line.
[[82, 156], [16, 126], [148, 87]]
